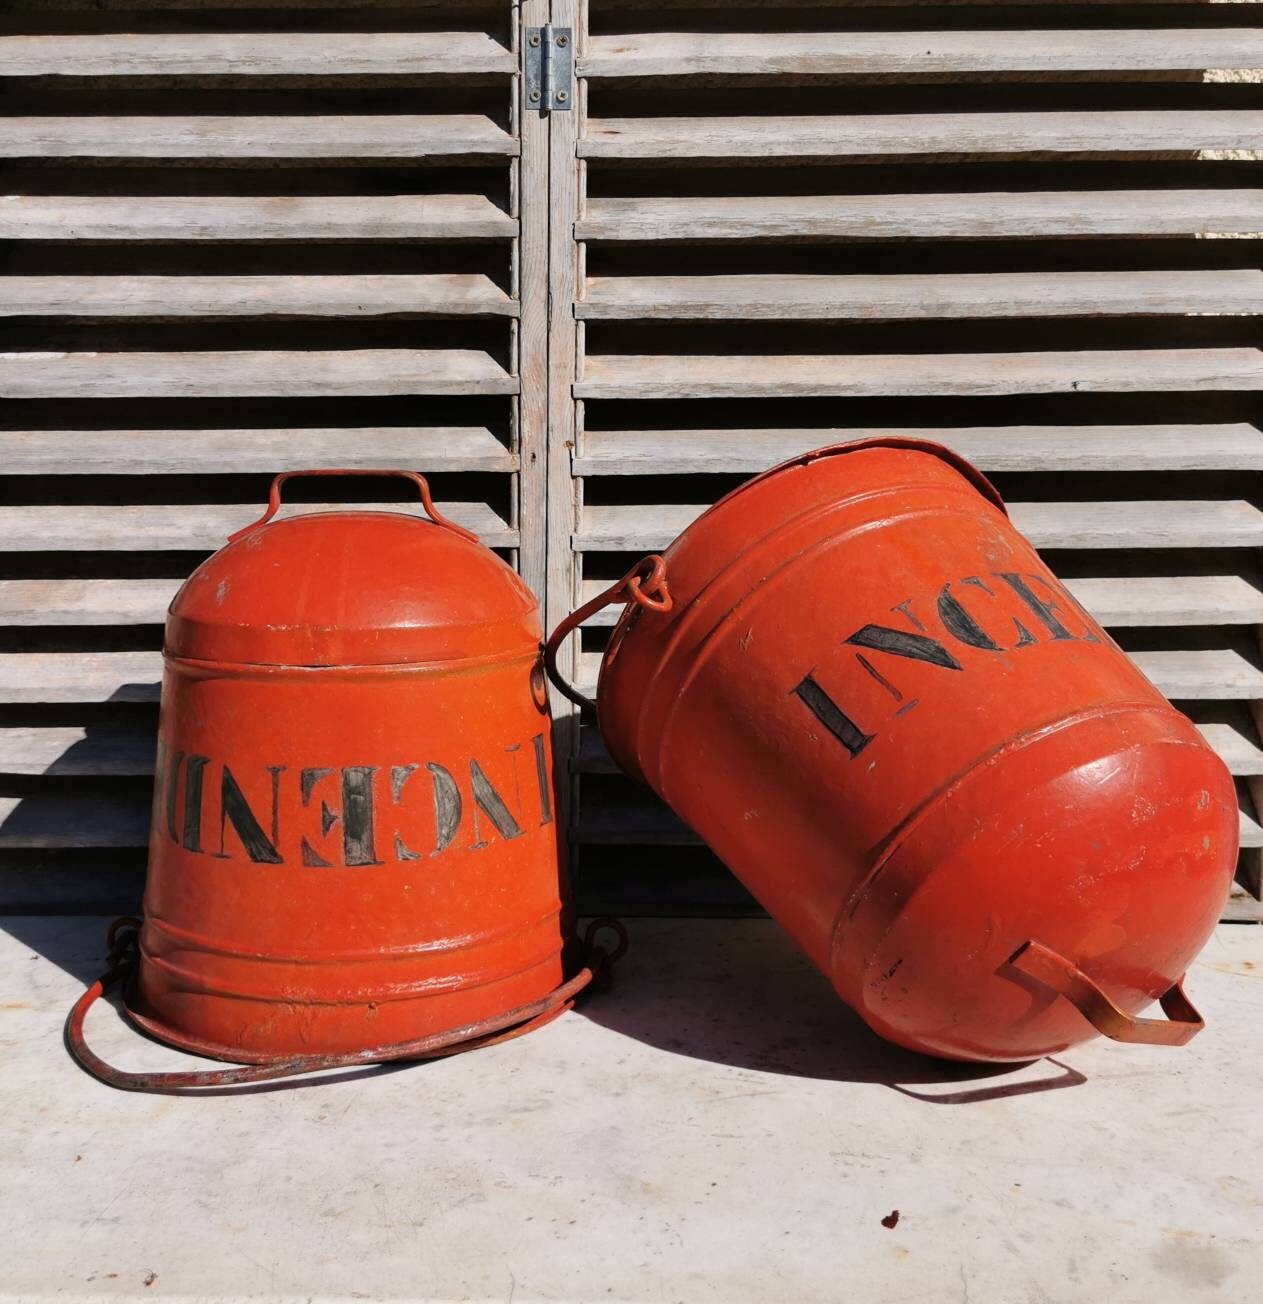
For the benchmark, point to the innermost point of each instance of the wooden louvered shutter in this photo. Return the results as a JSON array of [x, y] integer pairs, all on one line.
[[237, 240], [1008, 228]]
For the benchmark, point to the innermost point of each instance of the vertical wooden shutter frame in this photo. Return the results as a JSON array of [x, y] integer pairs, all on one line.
[[1027, 231]]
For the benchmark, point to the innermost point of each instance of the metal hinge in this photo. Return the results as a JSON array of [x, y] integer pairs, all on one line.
[[549, 68]]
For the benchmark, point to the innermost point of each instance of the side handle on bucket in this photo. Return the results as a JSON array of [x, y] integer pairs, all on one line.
[[427, 502], [1046, 966], [645, 584]]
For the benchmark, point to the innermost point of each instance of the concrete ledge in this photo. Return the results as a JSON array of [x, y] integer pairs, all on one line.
[[717, 1128]]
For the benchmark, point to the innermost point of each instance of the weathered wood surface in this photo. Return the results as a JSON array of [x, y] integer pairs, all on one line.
[[52, 677], [1237, 446], [1232, 523], [912, 135], [85, 601], [262, 54], [971, 216], [157, 527], [252, 374], [361, 295], [1130, 601], [79, 821], [158, 219], [229, 451], [111, 748], [924, 297], [219, 136], [874, 375], [815, 54]]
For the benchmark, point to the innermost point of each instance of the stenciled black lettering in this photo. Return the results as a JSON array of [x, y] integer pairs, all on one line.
[[960, 624], [307, 782], [447, 807], [173, 792], [541, 777], [357, 816], [194, 773], [489, 801], [235, 810], [399, 776], [831, 715], [898, 642], [1045, 612]]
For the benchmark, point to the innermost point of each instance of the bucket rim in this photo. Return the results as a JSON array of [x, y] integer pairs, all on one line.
[[958, 463]]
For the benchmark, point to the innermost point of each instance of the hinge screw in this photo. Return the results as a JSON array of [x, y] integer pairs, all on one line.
[[534, 38], [534, 96], [562, 97], [563, 40]]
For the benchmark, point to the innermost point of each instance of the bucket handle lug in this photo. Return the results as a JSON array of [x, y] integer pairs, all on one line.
[[645, 584], [1053, 970], [427, 502]]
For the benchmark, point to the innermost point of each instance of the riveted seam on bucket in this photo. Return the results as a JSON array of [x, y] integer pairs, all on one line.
[[444, 944], [264, 669], [897, 837], [201, 984]]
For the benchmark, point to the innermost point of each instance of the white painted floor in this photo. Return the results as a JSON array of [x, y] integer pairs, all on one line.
[[717, 1128]]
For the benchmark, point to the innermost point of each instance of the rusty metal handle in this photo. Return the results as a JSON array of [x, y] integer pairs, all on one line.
[[1046, 966], [595, 975], [647, 577], [427, 502]]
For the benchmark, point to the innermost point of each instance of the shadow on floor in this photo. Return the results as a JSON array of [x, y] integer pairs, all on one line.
[[738, 993]]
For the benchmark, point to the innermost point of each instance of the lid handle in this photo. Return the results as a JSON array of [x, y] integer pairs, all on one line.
[[274, 499]]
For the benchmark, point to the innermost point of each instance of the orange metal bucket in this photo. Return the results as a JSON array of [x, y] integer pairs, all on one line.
[[863, 688], [354, 848]]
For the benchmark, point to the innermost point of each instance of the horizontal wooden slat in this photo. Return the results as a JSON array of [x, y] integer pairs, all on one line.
[[1140, 601], [1241, 754], [326, 136], [80, 676], [814, 54], [890, 298], [85, 602], [111, 748], [64, 822], [252, 374], [1120, 371], [265, 217], [912, 135], [262, 54], [217, 452], [1231, 523], [445, 295], [1251, 832], [1128, 602], [992, 448], [988, 215], [200, 527], [1215, 675]]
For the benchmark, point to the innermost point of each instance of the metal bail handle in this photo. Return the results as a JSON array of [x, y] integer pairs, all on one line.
[[122, 940], [427, 502], [646, 578], [1045, 965]]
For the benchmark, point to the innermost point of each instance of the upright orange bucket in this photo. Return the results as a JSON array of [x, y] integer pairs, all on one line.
[[354, 852], [863, 688]]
